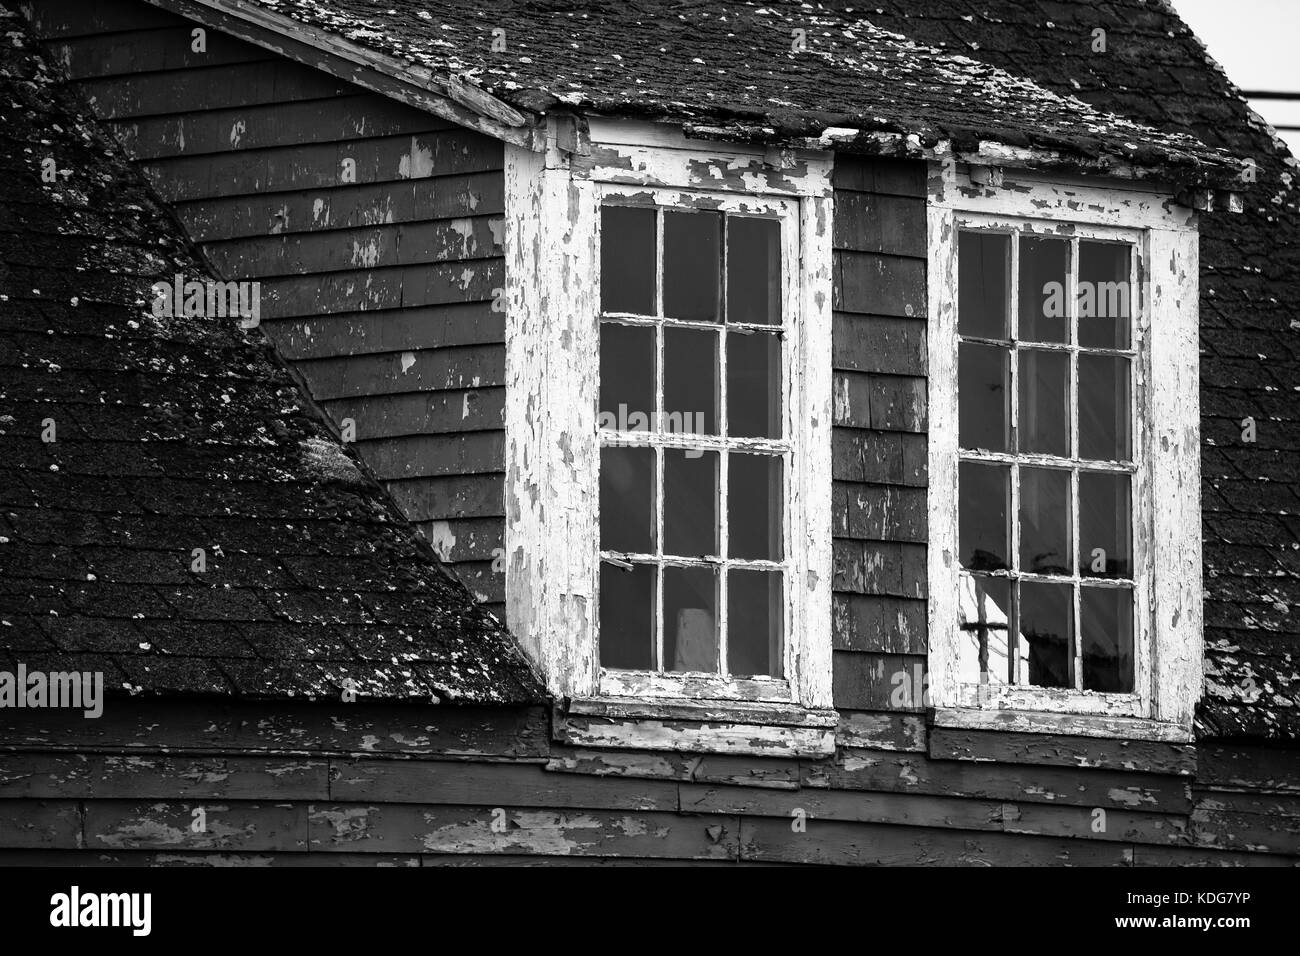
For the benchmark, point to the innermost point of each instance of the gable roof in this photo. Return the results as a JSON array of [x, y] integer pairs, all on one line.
[[779, 72], [173, 434]]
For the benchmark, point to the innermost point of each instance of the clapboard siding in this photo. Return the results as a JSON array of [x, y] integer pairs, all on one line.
[[373, 228], [879, 440], [371, 784]]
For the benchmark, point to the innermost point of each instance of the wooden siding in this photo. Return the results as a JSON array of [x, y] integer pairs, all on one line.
[[285, 784], [377, 287], [879, 438]]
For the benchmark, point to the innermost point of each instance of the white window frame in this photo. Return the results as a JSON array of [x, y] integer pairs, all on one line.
[[552, 293], [1164, 390]]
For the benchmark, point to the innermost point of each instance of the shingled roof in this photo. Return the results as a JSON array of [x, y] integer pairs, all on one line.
[[174, 434], [772, 70]]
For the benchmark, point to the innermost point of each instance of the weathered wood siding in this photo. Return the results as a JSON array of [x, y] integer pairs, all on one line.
[[374, 229], [372, 784], [879, 468]]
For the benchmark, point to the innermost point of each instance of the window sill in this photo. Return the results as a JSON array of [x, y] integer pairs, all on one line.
[[1071, 725], [722, 727]]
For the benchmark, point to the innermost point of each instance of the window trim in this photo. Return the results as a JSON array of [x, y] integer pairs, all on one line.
[[552, 292], [1166, 442]]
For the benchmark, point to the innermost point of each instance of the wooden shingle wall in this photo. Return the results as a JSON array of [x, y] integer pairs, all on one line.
[[879, 467], [373, 228]]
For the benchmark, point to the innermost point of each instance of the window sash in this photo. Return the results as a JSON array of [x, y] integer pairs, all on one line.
[[720, 686], [982, 695]]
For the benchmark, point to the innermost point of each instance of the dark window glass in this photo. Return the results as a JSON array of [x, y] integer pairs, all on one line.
[[692, 265], [627, 370], [627, 259], [754, 613], [1105, 519], [753, 270], [1044, 309], [1104, 412], [1106, 631], [627, 633], [1044, 645], [982, 379], [690, 381], [1045, 521], [627, 518], [1105, 294], [754, 506], [753, 385], [1044, 425], [690, 503], [985, 492], [983, 284], [691, 619]]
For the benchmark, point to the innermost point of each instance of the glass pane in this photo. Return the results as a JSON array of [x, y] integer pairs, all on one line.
[[627, 515], [690, 502], [985, 491], [690, 381], [983, 284], [753, 270], [1045, 521], [1106, 630], [627, 377], [1105, 294], [984, 653], [1044, 316], [1104, 414], [1105, 518], [754, 615], [627, 259], [692, 265], [754, 500], [982, 378], [1043, 649], [627, 633], [1044, 401], [691, 619], [754, 385]]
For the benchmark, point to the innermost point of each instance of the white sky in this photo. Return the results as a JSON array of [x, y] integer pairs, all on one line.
[[1258, 43]]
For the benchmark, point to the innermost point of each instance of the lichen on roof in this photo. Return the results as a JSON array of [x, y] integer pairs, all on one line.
[[781, 69], [173, 514]]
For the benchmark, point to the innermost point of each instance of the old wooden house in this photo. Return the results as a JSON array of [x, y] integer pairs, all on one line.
[[718, 432]]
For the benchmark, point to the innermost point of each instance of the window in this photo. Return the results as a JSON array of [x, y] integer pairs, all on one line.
[[694, 442], [668, 420], [1045, 485]]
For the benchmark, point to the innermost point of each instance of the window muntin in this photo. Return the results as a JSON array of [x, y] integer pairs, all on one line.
[[1051, 594], [696, 443]]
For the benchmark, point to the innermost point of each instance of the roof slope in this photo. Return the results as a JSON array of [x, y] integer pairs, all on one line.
[[779, 69], [177, 434], [1156, 71]]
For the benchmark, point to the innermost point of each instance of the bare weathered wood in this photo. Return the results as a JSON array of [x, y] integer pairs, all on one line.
[[405, 828], [394, 373], [871, 681], [146, 51], [466, 496], [1062, 751], [894, 346], [880, 567], [426, 456], [40, 825], [694, 736], [875, 222], [421, 413], [878, 512], [886, 458], [875, 284], [378, 289], [884, 624], [168, 825], [72, 18], [891, 177], [397, 330], [141, 776], [882, 731]]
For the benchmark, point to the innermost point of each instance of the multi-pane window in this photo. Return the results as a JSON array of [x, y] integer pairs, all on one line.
[[695, 445], [1050, 585]]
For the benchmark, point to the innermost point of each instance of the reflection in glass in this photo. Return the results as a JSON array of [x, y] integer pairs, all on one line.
[[983, 284], [1105, 294], [1044, 426], [1105, 519], [753, 270], [627, 369], [1044, 316], [690, 502], [690, 381], [627, 519], [982, 534], [753, 385], [1106, 632], [754, 507], [982, 396], [1043, 649], [692, 265], [1045, 521], [1104, 413]]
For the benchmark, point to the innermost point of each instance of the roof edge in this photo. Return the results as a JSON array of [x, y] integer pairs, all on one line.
[[446, 96]]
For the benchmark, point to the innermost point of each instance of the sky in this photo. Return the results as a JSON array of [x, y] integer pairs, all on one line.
[[1258, 43]]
